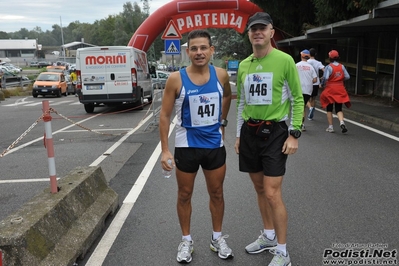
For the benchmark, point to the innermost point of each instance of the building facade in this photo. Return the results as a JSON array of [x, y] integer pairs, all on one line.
[[368, 47]]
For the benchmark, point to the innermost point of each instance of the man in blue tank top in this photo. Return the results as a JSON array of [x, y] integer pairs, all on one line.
[[201, 96]]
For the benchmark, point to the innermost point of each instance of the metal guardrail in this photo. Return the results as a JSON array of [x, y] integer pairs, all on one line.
[[15, 82], [155, 107]]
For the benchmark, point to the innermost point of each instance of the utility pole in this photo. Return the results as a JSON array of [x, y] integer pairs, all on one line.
[[62, 40]]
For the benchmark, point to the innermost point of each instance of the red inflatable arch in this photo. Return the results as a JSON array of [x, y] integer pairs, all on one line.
[[195, 14]]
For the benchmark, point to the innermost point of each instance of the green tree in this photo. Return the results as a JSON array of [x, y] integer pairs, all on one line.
[[104, 31], [4, 35], [236, 47], [328, 11], [120, 36], [294, 17], [290, 17], [84, 31]]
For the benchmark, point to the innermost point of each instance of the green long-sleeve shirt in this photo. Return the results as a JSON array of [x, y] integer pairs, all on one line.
[[269, 89]]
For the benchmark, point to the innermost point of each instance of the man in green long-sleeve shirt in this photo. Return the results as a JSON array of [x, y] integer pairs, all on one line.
[[268, 93]]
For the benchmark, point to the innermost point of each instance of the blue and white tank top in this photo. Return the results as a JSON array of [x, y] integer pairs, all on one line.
[[198, 110]]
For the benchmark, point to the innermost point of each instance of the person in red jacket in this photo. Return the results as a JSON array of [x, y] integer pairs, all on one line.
[[334, 93]]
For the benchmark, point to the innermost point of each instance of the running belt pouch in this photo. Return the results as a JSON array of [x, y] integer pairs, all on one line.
[[264, 130]]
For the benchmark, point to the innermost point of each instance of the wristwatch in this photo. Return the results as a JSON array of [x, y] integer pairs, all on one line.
[[224, 122], [295, 133]]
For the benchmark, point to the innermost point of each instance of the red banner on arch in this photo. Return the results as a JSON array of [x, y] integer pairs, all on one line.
[[233, 19]]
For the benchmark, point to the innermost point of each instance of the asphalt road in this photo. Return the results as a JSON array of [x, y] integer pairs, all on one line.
[[24, 169], [338, 189]]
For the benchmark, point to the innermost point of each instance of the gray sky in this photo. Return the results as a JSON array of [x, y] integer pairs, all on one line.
[[17, 14]]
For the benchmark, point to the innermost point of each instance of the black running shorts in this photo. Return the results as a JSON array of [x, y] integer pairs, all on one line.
[[306, 98], [257, 154], [315, 90], [189, 159]]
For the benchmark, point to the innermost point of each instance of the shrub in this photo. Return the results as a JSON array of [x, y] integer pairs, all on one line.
[[7, 93], [18, 91]]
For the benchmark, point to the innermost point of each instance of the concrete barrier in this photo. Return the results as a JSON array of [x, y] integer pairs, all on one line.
[[56, 229]]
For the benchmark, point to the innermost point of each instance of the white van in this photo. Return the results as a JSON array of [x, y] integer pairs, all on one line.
[[109, 75]]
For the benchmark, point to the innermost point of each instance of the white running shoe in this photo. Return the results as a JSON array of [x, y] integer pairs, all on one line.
[[184, 251]]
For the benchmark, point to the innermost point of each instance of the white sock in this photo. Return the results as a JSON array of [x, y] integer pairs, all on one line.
[[187, 237], [330, 126], [216, 235], [341, 123], [282, 248], [269, 233]]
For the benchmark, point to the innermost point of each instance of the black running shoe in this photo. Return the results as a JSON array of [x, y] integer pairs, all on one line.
[[343, 128]]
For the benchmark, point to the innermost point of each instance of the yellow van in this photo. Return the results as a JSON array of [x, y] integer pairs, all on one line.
[[50, 83]]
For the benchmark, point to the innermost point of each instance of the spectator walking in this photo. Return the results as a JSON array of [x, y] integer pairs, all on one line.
[[74, 80], [334, 93], [268, 94], [201, 96]]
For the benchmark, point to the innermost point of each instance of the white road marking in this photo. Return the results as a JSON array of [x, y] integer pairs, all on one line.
[[102, 129], [119, 142], [365, 127], [24, 102], [60, 102], [106, 242], [41, 138], [18, 102], [25, 180], [33, 104]]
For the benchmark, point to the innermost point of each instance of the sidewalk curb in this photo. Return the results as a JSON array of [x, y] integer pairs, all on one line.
[[367, 119], [370, 120], [55, 229]]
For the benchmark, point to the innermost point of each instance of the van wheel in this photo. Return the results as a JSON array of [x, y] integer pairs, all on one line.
[[140, 103], [89, 107], [150, 98]]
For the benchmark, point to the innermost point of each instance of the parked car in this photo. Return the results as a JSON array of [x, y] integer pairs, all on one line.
[[162, 67], [11, 69], [33, 63], [72, 67], [43, 64], [7, 72], [159, 78], [58, 69], [70, 87], [62, 63], [50, 83]]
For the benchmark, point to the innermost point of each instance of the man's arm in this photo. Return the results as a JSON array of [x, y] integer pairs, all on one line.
[[225, 81], [168, 100]]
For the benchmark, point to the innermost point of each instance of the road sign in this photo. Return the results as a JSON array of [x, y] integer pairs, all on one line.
[[171, 32], [172, 46], [233, 64]]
